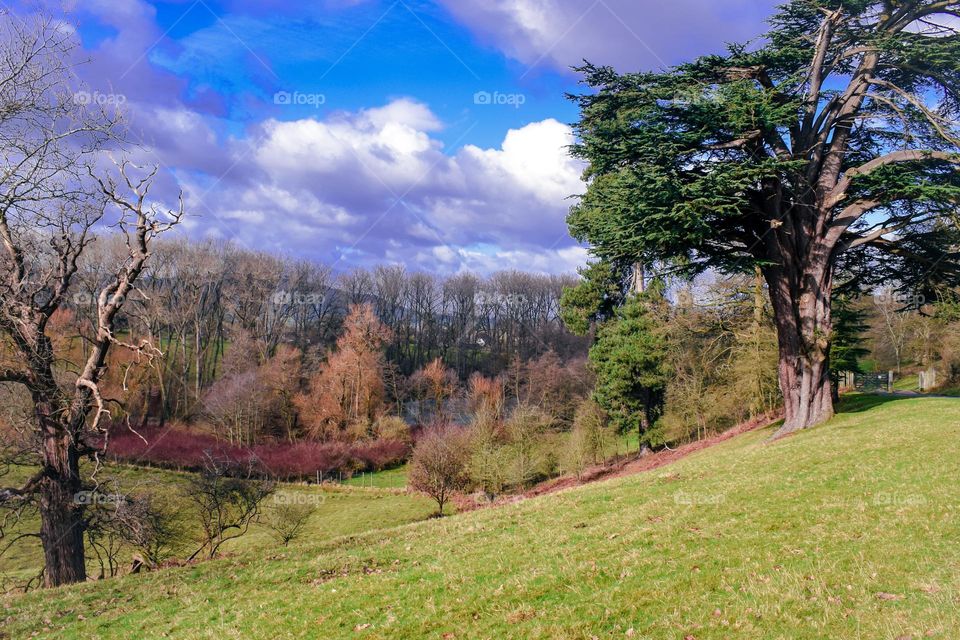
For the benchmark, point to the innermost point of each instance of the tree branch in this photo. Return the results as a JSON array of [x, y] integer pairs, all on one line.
[[839, 192]]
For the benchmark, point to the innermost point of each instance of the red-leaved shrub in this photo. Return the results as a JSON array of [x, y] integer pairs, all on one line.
[[175, 448]]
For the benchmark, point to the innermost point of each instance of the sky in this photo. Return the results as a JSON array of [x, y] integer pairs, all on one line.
[[432, 134]]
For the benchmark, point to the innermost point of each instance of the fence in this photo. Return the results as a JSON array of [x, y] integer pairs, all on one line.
[[873, 381]]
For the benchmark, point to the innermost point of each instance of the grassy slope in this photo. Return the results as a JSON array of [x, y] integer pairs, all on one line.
[[847, 531], [389, 479], [339, 511], [909, 382]]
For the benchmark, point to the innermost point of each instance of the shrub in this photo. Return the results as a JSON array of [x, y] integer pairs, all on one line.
[[489, 459], [176, 448], [227, 498], [590, 440], [287, 519], [393, 428], [439, 463], [524, 430]]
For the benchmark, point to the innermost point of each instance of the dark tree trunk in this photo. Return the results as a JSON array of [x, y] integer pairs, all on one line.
[[801, 301], [61, 514]]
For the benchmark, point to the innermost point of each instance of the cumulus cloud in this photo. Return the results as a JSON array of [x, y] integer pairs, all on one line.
[[627, 34], [353, 187], [374, 185]]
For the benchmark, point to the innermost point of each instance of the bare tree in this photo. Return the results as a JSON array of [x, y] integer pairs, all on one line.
[[893, 321], [289, 517], [439, 464], [227, 496], [52, 197]]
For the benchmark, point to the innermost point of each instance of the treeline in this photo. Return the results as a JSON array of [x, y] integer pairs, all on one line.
[[260, 353], [907, 333], [213, 310]]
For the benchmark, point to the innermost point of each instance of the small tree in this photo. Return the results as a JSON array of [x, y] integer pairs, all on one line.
[[390, 427], [577, 453], [227, 497], [435, 384], [629, 360], [349, 387], [439, 464], [592, 421], [288, 518], [153, 527], [524, 429], [116, 522], [486, 396], [590, 440], [489, 459]]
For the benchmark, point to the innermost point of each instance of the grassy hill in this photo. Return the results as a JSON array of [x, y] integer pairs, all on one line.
[[339, 511], [851, 530]]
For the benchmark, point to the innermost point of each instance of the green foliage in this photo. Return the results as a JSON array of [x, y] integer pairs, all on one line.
[[676, 157], [594, 299], [767, 158], [629, 360], [849, 327]]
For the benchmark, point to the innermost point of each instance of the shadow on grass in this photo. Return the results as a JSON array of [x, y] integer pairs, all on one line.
[[860, 402]]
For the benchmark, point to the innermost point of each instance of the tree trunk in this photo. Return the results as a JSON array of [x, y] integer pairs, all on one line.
[[61, 514], [801, 302]]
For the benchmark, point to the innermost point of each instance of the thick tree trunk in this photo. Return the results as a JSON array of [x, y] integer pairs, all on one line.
[[61, 514], [805, 383], [801, 302]]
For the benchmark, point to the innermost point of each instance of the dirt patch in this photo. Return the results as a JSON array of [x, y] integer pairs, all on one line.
[[623, 466]]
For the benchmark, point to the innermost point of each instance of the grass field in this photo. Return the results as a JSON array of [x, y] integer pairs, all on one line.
[[908, 382], [388, 479], [851, 530], [339, 511]]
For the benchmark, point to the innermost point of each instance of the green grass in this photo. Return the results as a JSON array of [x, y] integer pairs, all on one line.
[[339, 511], [388, 479], [850, 530], [909, 382]]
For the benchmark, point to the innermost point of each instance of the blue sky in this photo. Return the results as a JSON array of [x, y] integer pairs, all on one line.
[[356, 132]]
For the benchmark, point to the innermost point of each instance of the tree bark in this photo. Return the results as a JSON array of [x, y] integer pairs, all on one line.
[[801, 298], [61, 515]]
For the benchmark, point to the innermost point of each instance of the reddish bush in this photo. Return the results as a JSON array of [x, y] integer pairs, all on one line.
[[179, 449]]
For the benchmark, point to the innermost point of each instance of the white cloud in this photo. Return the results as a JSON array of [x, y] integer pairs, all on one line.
[[534, 158], [375, 185]]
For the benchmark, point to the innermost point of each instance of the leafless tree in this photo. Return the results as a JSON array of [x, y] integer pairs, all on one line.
[[439, 464], [289, 517], [227, 497], [53, 196]]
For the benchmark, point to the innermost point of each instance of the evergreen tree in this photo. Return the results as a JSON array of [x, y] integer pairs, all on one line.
[[847, 346], [629, 358], [834, 138]]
